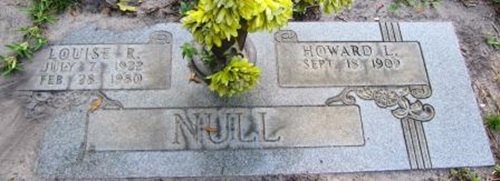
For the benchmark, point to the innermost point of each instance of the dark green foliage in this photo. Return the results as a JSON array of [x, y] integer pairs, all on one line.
[[41, 12], [493, 42], [188, 51], [208, 58], [21, 49], [9, 65], [33, 35], [493, 122], [463, 174], [300, 7], [419, 4], [187, 5], [496, 172]]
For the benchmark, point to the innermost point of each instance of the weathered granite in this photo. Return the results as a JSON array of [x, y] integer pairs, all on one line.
[[234, 128], [403, 126]]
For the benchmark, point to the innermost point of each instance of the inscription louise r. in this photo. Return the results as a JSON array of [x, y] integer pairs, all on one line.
[[104, 66], [195, 129]]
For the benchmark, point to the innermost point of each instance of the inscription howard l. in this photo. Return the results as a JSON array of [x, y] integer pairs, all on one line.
[[103, 66], [237, 128], [320, 64]]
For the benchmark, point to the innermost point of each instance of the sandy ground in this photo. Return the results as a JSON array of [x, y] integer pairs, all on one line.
[[20, 134]]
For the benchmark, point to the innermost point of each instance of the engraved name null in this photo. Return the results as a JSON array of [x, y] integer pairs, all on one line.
[[222, 128], [103, 66]]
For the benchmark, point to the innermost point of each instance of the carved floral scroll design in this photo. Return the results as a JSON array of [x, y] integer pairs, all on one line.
[[395, 98], [38, 102]]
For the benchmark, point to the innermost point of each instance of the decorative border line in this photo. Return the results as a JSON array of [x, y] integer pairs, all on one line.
[[413, 129]]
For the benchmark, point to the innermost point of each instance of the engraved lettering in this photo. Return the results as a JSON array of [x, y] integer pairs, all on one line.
[[308, 51], [367, 50], [43, 78], [130, 53], [333, 49], [345, 52], [264, 133], [105, 53], [46, 67], [51, 80], [95, 53], [92, 65], [387, 52], [77, 53], [191, 128], [222, 134], [104, 66], [320, 51], [64, 54], [226, 128], [250, 130], [307, 64], [355, 50], [51, 54], [303, 64]]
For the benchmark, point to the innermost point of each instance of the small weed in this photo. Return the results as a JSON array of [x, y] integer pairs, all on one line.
[[493, 42], [493, 122], [10, 65], [463, 174], [41, 12], [187, 5], [417, 4], [496, 172], [207, 57], [21, 49], [188, 51]]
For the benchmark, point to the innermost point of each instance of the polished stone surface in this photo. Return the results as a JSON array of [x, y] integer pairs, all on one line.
[[392, 123]]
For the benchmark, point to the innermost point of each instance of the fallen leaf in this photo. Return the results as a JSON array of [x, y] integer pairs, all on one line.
[[194, 78], [96, 104], [124, 6], [73, 13], [210, 129]]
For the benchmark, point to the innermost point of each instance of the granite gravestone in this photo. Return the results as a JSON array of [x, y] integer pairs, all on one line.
[[334, 97]]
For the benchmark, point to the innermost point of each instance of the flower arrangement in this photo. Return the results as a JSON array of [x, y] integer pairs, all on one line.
[[220, 28]]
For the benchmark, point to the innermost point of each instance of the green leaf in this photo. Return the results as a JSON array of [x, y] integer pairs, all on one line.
[[188, 51]]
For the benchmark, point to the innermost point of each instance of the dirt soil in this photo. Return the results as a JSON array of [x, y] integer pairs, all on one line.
[[474, 20]]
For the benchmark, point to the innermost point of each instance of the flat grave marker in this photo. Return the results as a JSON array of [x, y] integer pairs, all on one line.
[[367, 97]]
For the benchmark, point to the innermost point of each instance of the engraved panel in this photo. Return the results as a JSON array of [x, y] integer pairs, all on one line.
[[323, 64], [236, 128], [103, 66]]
